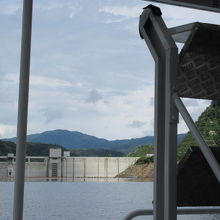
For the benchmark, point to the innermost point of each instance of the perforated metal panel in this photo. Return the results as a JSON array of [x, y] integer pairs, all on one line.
[[199, 64]]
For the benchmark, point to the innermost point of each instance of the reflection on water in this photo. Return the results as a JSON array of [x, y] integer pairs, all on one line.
[[216, 217], [65, 179]]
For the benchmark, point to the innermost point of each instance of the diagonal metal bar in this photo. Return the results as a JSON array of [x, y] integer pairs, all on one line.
[[22, 110], [198, 137]]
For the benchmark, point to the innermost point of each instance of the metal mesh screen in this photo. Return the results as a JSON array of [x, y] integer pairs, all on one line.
[[199, 64]]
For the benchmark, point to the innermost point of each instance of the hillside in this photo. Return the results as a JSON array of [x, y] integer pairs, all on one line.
[[209, 125], [77, 140], [138, 170], [39, 149], [144, 166], [68, 139], [6, 147], [95, 152], [33, 149], [142, 151]]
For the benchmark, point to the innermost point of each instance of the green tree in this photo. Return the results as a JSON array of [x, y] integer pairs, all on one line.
[[209, 126]]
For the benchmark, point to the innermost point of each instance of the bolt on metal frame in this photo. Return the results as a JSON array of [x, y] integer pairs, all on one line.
[[164, 51]]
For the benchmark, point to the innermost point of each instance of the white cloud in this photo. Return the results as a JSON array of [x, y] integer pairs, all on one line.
[[37, 80], [94, 96], [120, 110], [48, 82], [137, 124], [79, 84], [7, 130], [195, 107], [51, 5], [80, 59], [52, 114], [122, 10], [114, 20], [10, 7]]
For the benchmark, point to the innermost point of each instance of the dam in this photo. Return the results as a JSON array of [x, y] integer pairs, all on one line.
[[58, 166]]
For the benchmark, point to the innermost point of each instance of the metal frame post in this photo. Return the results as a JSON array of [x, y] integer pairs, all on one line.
[[22, 110], [171, 121], [165, 53], [159, 108]]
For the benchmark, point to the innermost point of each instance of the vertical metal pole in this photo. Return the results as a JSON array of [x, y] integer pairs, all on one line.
[[22, 110], [159, 136], [171, 120], [159, 109]]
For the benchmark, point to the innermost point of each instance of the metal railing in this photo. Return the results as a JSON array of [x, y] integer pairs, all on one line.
[[180, 211]]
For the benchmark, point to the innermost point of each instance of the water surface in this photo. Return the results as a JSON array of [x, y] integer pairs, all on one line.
[[82, 200]]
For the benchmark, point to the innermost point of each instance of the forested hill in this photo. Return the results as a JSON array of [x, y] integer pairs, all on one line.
[[33, 149], [209, 125], [77, 140], [40, 149]]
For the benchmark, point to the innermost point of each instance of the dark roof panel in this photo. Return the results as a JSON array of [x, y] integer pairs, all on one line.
[[209, 5], [196, 183]]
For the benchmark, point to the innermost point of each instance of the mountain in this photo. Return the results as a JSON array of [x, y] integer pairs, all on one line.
[[33, 149], [209, 126], [40, 149], [68, 139], [77, 140]]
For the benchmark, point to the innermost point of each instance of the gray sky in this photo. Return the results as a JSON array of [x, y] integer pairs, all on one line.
[[90, 71]]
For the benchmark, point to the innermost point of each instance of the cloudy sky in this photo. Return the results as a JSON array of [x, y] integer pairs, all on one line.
[[90, 71]]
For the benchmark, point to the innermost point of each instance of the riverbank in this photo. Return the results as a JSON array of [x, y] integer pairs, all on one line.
[[139, 171]]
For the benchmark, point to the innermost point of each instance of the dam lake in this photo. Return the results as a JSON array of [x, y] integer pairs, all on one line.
[[83, 200]]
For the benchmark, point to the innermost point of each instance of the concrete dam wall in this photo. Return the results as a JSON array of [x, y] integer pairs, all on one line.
[[67, 166]]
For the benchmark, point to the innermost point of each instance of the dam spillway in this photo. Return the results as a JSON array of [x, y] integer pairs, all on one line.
[[57, 166]]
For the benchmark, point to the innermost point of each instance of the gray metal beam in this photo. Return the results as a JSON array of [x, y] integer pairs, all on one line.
[[197, 136], [208, 5], [159, 120], [171, 121], [164, 50], [181, 33], [22, 110]]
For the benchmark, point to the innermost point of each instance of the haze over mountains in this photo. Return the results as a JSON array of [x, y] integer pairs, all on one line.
[[77, 140]]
